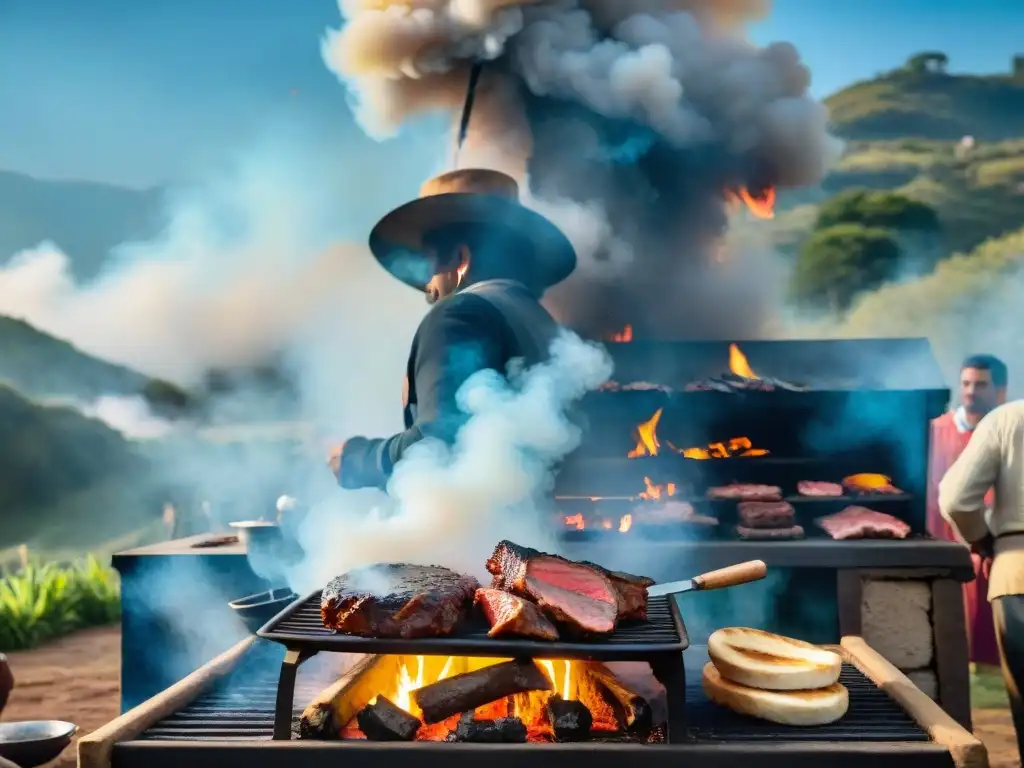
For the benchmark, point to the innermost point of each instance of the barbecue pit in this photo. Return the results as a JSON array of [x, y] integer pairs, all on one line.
[[225, 711]]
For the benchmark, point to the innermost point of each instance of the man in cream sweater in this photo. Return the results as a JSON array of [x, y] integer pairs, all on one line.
[[995, 459]]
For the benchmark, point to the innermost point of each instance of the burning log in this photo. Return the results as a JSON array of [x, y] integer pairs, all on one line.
[[632, 711], [337, 705], [381, 720], [570, 720], [502, 730], [466, 692]]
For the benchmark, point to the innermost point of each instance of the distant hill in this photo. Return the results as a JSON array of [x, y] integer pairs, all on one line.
[[42, 366], [921, 100], [84, 219]]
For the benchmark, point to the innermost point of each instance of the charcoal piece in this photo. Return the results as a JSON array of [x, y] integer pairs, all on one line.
[[633, 711], [381, 720], [464, 693], [570, 720], [501, 730]]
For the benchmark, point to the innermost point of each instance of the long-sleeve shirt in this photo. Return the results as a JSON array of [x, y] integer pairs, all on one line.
[[484, 326], [994, 458]]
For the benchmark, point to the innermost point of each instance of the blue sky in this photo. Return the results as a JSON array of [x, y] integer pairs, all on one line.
[[139, 93]]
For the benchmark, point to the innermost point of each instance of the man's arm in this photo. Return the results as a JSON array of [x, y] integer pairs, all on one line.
[[461, 336], [963, 489]]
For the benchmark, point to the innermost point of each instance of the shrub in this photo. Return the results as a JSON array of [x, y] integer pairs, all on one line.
[[44, 601], [887, 210]]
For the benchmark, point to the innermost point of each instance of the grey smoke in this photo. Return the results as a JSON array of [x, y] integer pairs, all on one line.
[[626, 121]]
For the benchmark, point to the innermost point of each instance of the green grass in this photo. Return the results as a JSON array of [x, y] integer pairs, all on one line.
[[43, 602], [988, 691]]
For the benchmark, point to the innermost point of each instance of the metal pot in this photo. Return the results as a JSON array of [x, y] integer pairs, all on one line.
[[34, 742], [258, 534], [257, 610]]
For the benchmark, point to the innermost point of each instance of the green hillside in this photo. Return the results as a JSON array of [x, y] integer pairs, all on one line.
[[42, 366], [84, 219], [921, 100]]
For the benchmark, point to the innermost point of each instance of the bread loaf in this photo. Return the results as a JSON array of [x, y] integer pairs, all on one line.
[[806, 708], [759, 659]]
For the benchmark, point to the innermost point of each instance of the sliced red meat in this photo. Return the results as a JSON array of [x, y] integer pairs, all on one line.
[[746, 492], [397, 600], [766, 514], [818, 488], [630, 590], [577, 597], [511, 615], [765, 534], [856, 522]]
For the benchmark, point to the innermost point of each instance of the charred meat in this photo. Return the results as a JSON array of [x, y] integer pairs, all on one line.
[[766, 514], [630, 591], [511, 616], [397, 600], [577, 597], [770, 534]]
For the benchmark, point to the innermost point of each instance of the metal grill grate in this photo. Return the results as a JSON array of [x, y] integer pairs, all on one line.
[[872, 716], [300, 627], [241, 708]]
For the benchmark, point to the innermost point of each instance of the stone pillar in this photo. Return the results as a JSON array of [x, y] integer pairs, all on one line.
[[915, 619]]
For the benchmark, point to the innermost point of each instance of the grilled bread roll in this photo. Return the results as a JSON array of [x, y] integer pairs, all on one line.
[[818, 707], [760, 659]]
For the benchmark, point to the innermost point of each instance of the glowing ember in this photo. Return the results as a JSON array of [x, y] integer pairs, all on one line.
[[576, 521], [866, 482], [739, 365], [625, 523], [761, 205], [647, 437], [626, 334]]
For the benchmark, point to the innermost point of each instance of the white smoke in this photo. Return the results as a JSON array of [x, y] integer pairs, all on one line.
[[131, 416], [562, 81], [450, 505]]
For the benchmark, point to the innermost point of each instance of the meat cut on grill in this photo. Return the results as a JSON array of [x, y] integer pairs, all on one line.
[[746, 492], [397, 600], [766, 514], [856, 522], [633, 386], [818, 488], [766, 534], [579, 598], [730, 382], [511, 616], [630, 591], [669, 512]]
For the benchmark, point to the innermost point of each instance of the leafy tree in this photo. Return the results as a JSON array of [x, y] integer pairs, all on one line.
[[838, 263], [886, 210], [928, 61]]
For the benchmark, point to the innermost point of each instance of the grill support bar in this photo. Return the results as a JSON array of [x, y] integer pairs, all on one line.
[[293, 659], [668, 668]]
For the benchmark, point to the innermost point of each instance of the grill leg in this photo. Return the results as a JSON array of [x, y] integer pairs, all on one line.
[[671, 673], [286, 693]]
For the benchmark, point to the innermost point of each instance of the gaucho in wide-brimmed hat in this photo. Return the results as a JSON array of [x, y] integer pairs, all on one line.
[[483, 260]]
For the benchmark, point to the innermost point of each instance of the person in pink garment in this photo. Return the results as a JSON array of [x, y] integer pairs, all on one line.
[[983, 380]]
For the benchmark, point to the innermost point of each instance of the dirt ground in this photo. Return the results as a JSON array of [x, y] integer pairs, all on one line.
[[76, 679]]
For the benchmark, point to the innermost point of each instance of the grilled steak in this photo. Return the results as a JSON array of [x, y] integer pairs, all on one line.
[[630, 591], [766, 514], [397, 600], [763, 534], [577, 597], [818, 488], [862, 523], [510, 615], [746, 492]]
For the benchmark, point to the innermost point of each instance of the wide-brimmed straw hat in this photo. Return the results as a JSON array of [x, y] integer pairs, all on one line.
[[468, 196]]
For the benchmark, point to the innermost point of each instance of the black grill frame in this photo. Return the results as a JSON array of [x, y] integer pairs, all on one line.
[[660, 641], [207, 732], [299, 627]]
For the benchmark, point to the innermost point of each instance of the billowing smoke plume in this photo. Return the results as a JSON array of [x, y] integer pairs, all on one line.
[[627, 119], [449, 505]]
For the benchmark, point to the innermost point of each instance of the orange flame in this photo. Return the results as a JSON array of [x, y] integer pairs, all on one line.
[[625, 523], [867, 481], [652, 491], [626, 334], [578, 522], [647, 437], [737, 446], [762, 206], [739, 365]]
